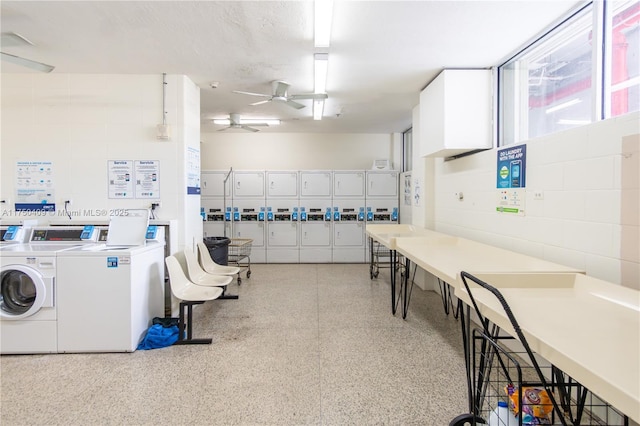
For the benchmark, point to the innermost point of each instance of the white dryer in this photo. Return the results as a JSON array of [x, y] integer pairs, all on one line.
[[28, 311], [109, 294]]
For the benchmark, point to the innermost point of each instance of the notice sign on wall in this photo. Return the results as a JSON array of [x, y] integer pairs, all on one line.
[[34, 186], [193, 171], [512, 166], [121, 179], [147, 178], [511, 179]]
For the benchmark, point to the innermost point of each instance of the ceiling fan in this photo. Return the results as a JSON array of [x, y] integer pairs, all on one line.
[[235, 122], [14, 39], [280, 93]]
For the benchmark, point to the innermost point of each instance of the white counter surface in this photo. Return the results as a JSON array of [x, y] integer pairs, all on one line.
[[587, 327]]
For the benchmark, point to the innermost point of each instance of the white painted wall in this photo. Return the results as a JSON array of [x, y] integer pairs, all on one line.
[[296, 151], [80, 121], [579, 222]]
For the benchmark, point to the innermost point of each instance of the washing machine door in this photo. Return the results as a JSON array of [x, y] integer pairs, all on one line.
[[23, 292]]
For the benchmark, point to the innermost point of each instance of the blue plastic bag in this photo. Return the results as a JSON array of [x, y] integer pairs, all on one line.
[[159, 337]]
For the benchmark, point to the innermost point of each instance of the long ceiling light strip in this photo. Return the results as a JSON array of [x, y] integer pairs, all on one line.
[[321, 64], [323, 17], [322, 22]]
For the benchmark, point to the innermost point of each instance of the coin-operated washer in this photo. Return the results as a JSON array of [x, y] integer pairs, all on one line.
[[109, 292], [348, 232], [29, 279], [282, 232], [315, 231]]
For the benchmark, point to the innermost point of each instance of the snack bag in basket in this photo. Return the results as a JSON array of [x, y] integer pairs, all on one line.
[[536, 405]]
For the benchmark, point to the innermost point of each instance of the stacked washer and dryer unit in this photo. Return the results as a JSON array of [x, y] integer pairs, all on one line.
[[71, 290], [312, 216]]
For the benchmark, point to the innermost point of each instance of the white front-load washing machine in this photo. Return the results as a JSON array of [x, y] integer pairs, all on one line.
[[28, 311]]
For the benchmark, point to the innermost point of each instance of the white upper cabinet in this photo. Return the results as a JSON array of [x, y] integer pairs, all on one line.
[[456, 113]]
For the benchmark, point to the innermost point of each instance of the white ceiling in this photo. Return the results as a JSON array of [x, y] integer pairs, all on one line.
[[382, 52]]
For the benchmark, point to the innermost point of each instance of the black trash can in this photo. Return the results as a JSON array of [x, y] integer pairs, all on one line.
[[218, 249]]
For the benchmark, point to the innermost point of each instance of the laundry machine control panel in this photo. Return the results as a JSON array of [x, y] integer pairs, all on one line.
[[63, 234]]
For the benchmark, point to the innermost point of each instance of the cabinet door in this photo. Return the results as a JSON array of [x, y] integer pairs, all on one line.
[[382, 184], [248, 184], [315, 184], [348, 184], [282, 184], [213, 184]]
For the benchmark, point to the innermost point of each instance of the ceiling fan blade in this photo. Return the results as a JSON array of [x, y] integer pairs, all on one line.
[[13, 39], [251, 129], [261, 102], [295, 105], [222, 130], [251, 93], [310, 96], [280, 89], [38, 66]]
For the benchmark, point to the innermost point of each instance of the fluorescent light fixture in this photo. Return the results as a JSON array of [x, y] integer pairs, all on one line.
[[322, 22], [321, 64], [318, 109], [625, 84], [254, 121], [563, 105]]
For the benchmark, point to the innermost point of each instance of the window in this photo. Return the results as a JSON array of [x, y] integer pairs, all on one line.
[[547, 87], [557, 82], [623, 48], [407, 150]]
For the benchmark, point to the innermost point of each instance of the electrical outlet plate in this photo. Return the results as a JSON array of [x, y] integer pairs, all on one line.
[[538, 195]]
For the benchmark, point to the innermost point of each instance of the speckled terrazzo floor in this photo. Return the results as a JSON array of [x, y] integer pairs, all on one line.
[[304, 345]]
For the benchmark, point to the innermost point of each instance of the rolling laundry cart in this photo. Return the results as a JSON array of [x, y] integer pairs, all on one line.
[[380, 258], [240, 254], [543, 394]]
